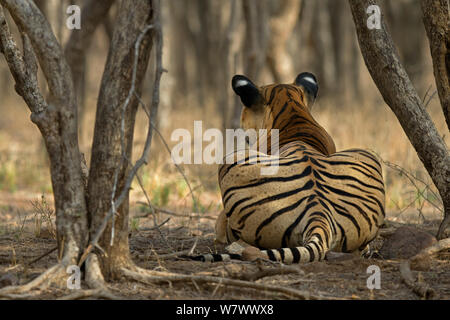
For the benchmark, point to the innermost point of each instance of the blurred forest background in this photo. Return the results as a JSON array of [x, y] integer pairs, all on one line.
[[206, 42]]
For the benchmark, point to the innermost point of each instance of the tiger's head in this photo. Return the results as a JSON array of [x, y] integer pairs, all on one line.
[[286, 107]]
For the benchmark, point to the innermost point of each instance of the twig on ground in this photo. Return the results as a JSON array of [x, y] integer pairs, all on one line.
[[13, 296], [150, 277], [421, 289], [191, 251], [170, 255], [42, 256], [163, 256], [441, 245], [268, 272], [176, 214], [90, 293], [157, 227], [39, 284]]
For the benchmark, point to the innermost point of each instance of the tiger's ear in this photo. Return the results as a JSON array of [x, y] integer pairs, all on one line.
[[249, 93], [309, 82]]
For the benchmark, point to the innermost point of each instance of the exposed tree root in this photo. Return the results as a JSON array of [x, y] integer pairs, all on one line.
[[95, 280], [93, 276], [90, 293], [151, 277], [55, 275], [13, 296]]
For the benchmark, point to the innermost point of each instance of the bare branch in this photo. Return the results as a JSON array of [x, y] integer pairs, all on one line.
[[93, 13], [48, 51], [23, 68], [177, 214]]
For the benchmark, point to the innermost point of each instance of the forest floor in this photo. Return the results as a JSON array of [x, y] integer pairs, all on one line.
[[26, 235]]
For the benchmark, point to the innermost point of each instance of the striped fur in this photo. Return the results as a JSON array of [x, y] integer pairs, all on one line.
[[319, 200]]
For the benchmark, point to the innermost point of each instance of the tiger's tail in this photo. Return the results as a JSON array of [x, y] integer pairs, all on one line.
[[214, 257], [308, 253]]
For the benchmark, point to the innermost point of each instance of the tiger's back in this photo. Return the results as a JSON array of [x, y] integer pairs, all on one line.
[[318, 200], [342, 194]]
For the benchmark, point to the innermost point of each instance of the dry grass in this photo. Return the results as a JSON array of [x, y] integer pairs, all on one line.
[[24, 165]]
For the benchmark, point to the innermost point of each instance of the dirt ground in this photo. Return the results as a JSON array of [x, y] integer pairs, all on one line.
[[21, 243]]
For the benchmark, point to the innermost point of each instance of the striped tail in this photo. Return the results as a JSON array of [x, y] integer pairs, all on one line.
[[213, 257], [308, 253], [304, 254]]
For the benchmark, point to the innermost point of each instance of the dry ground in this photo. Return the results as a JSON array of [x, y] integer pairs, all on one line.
[[21, 242], [24, 176]]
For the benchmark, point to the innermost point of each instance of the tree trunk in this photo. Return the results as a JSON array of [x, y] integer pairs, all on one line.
[[402, 18], [322, 45], [132, 18], [255, 14], [93, 13], [436, 20], [281, 26], [394, 85], [56, 118]]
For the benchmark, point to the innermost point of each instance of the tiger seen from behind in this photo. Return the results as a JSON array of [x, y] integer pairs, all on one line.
[[319, 200]]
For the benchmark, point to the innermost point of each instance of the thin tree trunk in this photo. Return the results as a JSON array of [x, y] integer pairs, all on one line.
[[132, 18], [322, 44], [229, 48], [409, 37], [281, 26], [436, 20], [382, 61], [56, 118], [255, 14], [93, 12]]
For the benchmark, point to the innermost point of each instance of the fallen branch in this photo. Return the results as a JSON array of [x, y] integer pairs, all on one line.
[[90, 293], [163, 256], [421, 289], [42, 256], [158, 257], [175, 214], [441, 245], [151, 277], [55, 273], [269, 272], [13, 296]]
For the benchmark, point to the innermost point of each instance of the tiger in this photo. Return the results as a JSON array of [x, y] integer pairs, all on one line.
[[320, 199]]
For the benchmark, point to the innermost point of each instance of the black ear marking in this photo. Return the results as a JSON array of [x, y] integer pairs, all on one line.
[[309, 82], [245, 89]]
